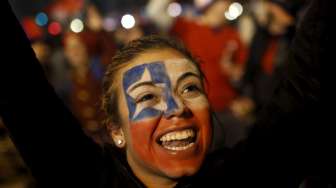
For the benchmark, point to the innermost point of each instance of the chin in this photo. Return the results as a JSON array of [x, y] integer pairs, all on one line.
[[179, 173], [180, 169]]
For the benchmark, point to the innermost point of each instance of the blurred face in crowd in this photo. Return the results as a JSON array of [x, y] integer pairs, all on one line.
[[75, 51], [215, 13], [164, 114], [93, 19]]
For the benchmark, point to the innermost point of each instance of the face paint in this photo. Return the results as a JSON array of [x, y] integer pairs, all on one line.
[[168, 123], [171, 163], [152, 74]]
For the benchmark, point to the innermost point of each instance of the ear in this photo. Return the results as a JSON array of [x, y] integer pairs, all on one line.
[[117, 135]]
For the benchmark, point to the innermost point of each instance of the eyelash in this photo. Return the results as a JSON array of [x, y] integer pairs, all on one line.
[[191, 89], [146, 97]]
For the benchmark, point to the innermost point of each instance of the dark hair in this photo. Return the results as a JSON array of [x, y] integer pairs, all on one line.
[[122, 57]]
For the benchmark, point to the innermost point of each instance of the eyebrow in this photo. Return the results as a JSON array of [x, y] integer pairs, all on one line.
[[185, 75], [133, 87]]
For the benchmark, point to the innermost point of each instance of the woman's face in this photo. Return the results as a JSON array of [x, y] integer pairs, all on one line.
[[215, 13], [165, 114]]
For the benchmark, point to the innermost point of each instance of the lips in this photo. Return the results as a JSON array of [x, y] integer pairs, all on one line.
[[178, 140]]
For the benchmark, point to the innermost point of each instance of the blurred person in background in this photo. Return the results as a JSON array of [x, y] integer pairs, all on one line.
[[76, 70], [274, 29], [101, 41], [84, 84], [80, 63], [222, 55]]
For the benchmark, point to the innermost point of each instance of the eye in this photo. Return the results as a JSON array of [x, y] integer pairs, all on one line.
[[146, 98], [190, 88], [191, 91]]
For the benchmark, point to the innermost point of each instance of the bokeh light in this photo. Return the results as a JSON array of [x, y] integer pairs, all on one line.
[[54, 28], [174, 9], [76, 25], [234, 11], [41, 19], [127, 21]]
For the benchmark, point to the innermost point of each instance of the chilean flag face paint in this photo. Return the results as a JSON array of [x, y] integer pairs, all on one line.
[[168, 127], [154, 74]]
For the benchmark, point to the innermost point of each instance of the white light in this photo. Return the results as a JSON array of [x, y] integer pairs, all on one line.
[[127, 21], [235, 10], [174, 9], [76, 25], [229, 16]]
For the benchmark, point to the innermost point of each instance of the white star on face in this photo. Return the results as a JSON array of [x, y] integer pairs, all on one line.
[[146, 77]]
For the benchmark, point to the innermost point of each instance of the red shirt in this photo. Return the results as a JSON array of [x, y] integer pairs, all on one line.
[[209, 46]]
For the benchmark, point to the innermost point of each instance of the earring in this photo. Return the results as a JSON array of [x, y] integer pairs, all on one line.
[[120, 142]]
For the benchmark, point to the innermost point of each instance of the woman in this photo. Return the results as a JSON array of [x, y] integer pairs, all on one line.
[[82, 87], [159, 119]]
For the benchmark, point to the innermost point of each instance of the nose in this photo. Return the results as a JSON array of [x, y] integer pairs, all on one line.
[[175, 107]]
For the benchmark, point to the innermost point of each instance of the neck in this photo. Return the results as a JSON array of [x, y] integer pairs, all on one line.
[[150, 178]]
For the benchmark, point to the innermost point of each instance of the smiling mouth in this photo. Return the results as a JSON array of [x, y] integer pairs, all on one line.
[[178, 140]]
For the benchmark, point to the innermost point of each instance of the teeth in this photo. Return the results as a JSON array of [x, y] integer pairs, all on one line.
[[174, 148], [178, 135]]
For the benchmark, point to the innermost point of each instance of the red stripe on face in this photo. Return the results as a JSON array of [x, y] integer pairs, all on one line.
[[151, 155]]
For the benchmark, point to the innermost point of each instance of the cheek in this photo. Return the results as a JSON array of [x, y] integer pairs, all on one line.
[[201, 112], [142, 138], [202, 116]]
